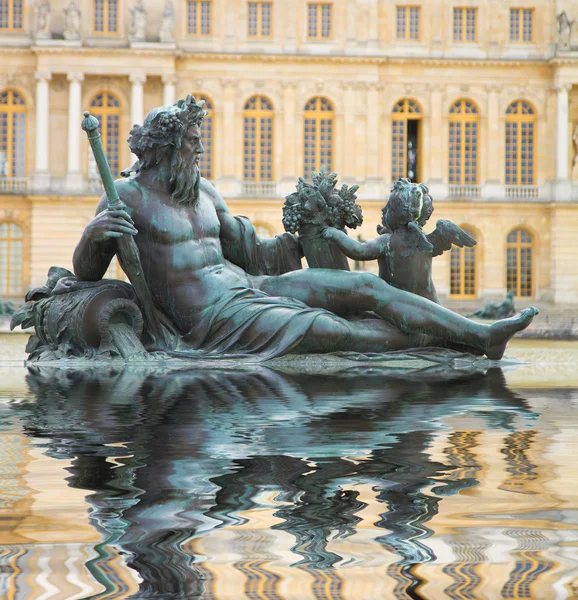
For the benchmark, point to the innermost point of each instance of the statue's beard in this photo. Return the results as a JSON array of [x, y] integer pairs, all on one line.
[[186, 178]]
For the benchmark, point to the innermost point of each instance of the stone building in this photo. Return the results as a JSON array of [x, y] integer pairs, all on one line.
[[476, 98]]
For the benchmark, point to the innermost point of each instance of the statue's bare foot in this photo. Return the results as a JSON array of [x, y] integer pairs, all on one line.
[[501, 332]]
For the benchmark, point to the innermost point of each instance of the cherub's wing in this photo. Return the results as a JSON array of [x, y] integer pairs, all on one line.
[[447, 233]]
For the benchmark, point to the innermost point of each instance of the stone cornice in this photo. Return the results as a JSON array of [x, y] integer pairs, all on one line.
[[217, 56]]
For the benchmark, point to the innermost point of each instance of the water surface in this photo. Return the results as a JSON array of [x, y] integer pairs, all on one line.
[[236, 484]]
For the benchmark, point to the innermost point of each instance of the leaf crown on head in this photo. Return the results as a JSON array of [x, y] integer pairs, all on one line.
[[165, 125]]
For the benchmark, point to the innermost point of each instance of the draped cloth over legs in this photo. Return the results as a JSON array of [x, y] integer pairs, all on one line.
[[247, 321]]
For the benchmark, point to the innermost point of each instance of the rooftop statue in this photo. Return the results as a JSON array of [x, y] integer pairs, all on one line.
[[71, 21], [212, 286], [403, 251], [138, 22], [42, 26], [167, 28]]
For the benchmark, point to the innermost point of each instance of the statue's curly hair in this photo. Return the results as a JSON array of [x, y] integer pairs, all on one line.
[[163, 129], [408, 203]]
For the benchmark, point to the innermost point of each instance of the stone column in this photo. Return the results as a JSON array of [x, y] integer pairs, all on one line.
[[437, 146], [563, 187], [230, 158], [562, 132], [289, 148], [137, 80], [492, 188], [347, 160], [42, 175], [169, 83], [373, 134], [74, 179]]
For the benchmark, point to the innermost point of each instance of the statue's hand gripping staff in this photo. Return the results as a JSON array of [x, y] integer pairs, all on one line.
[[128, 254]]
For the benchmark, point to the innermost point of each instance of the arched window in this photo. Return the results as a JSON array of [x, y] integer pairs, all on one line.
[[520, 263], [106, 108], [12, 134], [405, 138], [207, 136], [520, 144], [318, 136], [10, 258], [463, 282], [105, 16], [263, 230], [258, 139], [11, 15], [463, 150]]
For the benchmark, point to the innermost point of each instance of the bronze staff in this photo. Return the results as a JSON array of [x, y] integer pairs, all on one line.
[[128, 254]]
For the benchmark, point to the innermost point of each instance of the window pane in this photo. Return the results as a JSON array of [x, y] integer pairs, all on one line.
[[527, 30], [414, 23], [312, 20], [99, 15], [252, 19], [458, 24], [401, 23], [250, 149], [266, 19], [514, 25], [326, 20], [471, 16]]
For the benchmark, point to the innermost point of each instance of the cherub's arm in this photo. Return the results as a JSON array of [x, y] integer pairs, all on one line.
[[357, 250]]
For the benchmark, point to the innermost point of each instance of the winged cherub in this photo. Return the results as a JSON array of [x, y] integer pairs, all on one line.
[[403, 251]]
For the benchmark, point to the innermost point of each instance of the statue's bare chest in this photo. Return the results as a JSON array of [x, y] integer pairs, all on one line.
[[168, 224]]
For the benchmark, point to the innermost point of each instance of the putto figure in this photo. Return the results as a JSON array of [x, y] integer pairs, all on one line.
[[403, 251], [222, 290]]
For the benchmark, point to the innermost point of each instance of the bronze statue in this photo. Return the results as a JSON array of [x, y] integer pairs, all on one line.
[[403, 251], [223, 291], [497, 311]]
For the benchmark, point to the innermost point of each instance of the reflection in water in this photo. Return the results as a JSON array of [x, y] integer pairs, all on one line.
[[195, 477]]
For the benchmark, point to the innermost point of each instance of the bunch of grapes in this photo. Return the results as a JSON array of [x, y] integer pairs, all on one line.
[[292, 214], [344, 211], [322, 204]]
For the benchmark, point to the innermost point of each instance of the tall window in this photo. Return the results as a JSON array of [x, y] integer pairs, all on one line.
[[318, 136], [10, 258], [522, 25], [106, 108], [405, 140], [105, 16], [465, 24], [463, 271], [199, 16], [319, 25], [258, 139], [207, 136], [520, 144], [11, 15], [260, 19], [12, 134], [463, 150], [407, 23], [519, 263]]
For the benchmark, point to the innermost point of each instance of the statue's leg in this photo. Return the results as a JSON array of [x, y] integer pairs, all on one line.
[[333, 334], [342, 292]]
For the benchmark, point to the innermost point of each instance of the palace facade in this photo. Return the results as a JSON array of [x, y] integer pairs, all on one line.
[[477, 98]]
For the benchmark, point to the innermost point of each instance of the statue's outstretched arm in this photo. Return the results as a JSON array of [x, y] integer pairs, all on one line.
[[371, 250]]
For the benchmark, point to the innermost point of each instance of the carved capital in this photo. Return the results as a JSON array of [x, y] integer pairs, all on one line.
[[289, 85], [229, 83], [492, 88], [75, 77], [563, 87], [169, 79], [43, 76], [137, 78]]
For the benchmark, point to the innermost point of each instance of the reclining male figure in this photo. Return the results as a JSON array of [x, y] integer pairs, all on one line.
[[181, 225]]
